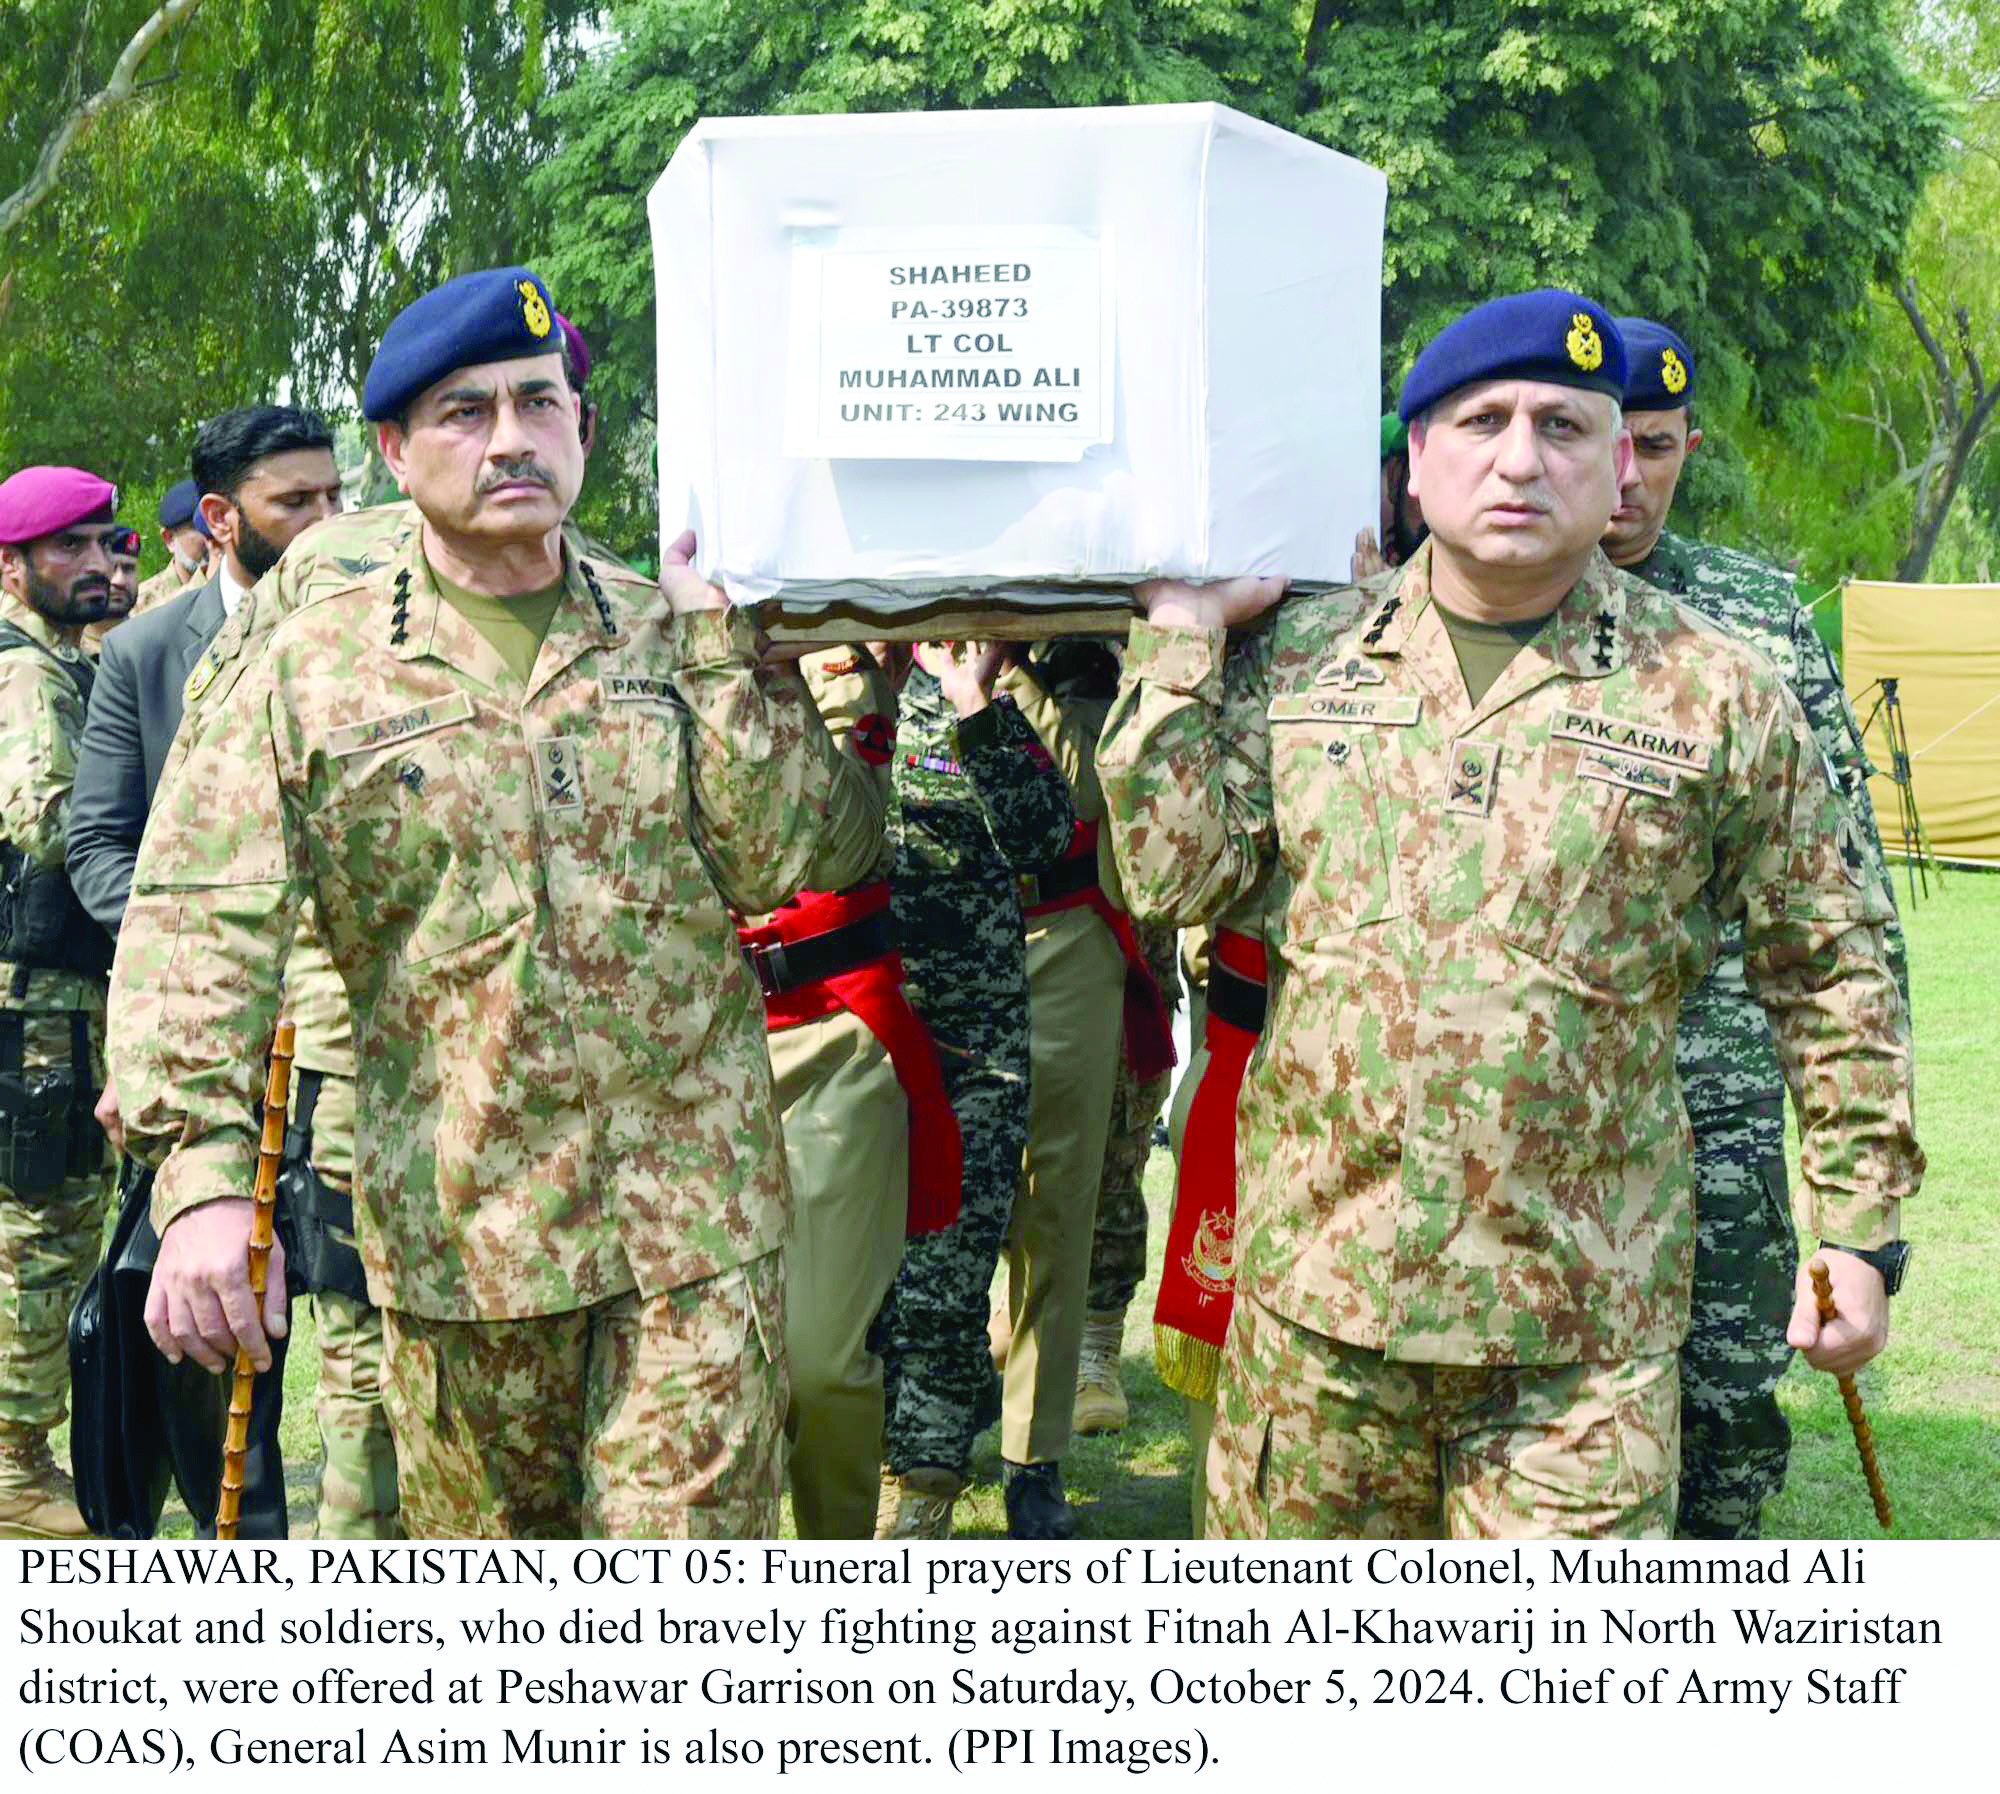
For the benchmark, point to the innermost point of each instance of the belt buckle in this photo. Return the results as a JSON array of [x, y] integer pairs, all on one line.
[[767, 965]]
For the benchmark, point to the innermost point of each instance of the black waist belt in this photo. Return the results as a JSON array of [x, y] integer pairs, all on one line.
[[1064, 879], [1235, 999], [321, 1200], [790, 965]]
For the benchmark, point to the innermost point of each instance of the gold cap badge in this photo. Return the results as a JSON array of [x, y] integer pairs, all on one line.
[[1585, 346], [534, 309], [1673, 372]]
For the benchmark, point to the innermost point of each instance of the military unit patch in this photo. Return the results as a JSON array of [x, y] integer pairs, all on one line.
[[1469, 785], [560, 774], [1350, 673]]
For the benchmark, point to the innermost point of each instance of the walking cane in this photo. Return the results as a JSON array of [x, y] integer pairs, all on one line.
[[1864, 1437], [263, 1221]]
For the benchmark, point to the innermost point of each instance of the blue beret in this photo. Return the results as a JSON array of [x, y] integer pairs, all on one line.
[[1660, 376], [1558, 337], [500, 314], [177, 508]]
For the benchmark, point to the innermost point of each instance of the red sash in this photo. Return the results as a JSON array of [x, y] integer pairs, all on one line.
[[874, 993], [1149, 1023], [1198, 1282]]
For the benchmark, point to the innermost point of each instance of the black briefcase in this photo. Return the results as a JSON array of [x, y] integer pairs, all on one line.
[[139, 1423]]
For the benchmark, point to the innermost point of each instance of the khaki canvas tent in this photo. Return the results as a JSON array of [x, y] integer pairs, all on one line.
[[1941, 645]]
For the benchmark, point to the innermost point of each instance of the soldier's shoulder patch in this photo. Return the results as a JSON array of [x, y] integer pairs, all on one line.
[[206, 671]]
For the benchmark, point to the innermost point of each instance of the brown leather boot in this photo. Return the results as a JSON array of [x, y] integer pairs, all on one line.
[[37, 1501], [924, 1502], [1100, 1396]]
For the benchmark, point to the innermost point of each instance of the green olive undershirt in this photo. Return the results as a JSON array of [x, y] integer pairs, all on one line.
[[514, 626], [1485, 650]]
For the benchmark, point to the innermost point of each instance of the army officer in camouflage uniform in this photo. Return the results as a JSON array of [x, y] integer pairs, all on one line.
[[522, 796], [1507, 800], [1734, 1438]]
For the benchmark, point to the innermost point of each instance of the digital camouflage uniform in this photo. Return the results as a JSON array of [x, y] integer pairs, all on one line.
[[569, 1180], [48, 1243], [1734, 1437], [357, 1461], [1467, 1205], [169, 582], [974, 805]]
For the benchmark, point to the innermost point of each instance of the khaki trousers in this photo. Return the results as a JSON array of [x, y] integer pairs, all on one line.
[[847, 1143], [1076, 986]]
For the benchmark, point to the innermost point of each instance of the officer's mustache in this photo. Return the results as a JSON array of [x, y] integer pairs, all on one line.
[[514, 475]]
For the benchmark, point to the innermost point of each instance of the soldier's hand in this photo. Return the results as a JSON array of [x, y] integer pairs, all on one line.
[[1175, 604], [108, 1117], [1860, 1327], [1368, 557], [965, 671], [200, 1304], [686, 590]]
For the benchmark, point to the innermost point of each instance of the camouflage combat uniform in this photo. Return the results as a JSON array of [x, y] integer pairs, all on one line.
[[974, 804], [1467, 1221], [48, 1241], [1734, 1438], [169, 582], [568, 1173], [357, 1453]]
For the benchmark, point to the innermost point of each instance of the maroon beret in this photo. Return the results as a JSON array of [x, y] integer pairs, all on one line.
[[38, 501]]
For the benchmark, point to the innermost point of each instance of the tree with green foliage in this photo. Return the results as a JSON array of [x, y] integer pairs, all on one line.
[[284, 177], [1743, 169]]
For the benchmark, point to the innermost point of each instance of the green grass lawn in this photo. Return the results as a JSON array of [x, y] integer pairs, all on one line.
[[1934, 1398]]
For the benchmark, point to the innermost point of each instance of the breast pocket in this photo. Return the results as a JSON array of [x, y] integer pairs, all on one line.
[[654, 840], [1613, 871], [414, 851], [1335, 827]]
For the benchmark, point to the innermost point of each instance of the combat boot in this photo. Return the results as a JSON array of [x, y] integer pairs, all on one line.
[[37, 1501], [924, 1502], [1036, 1505], [1100, 1397]]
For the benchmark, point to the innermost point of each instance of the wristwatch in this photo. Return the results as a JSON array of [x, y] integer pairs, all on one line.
[[1892, 1261]]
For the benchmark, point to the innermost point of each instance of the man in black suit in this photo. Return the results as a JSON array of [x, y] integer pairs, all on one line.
[[266, 474]]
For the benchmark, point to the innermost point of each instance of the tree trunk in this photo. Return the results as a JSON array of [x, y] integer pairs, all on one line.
[[122, 85]]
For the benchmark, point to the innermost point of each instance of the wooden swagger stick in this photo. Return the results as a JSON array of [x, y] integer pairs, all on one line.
[[263, 1222], [1864, 1436]]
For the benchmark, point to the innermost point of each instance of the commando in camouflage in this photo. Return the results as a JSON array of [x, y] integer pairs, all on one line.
[[1734, 1438]]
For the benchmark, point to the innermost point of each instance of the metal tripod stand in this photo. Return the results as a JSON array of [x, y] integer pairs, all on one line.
[[1918, 860]]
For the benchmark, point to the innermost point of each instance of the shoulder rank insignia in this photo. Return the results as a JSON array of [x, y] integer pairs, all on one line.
[[1585, 346], [1349, 674]]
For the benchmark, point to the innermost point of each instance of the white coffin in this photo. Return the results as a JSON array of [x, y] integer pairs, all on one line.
[[1014, 357]]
